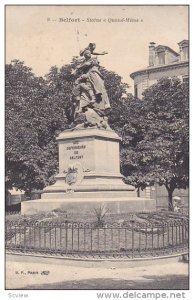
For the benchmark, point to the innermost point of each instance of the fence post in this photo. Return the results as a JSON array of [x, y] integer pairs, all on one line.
[[168, 234], [158, 227], [55, 226], [176, 234], [98, 239], [50, 236], [44, 237], [66, 236], [119, 238], [183, 232], [125, 238], [6, 234], [39, 236], [186, 228], [60, 237], [172, 228], [163, 229], [15, 235], [152, 239], [91, 239], [139, 227], [105, 238], [132, 231], [78, 237], [24, 237], [179, 233], [72, 237], [146, 237]]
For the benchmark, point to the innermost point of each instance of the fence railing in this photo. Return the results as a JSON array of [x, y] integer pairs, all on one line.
[[132, 239]]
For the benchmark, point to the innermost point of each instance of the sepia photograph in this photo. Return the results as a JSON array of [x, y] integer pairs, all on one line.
[[97, 149]]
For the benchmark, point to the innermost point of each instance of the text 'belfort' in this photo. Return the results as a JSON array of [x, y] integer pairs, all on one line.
[[75, 150]]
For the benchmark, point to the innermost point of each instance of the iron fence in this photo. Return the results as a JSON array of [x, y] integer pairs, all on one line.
[[132, 239]]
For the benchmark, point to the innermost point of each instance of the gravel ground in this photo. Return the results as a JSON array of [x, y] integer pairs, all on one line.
[[49, 273]]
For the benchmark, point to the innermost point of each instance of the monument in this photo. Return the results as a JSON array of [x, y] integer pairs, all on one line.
[[89, 165]]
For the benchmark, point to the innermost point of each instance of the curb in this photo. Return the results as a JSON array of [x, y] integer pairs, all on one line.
[[135, 262]]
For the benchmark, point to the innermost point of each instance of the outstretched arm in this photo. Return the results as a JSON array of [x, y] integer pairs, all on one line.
[[102, 53]]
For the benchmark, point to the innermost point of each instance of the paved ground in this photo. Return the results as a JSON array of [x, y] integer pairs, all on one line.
[[44, 273]]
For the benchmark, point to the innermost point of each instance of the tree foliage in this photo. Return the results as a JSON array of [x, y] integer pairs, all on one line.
[[156, 137], [120, 100], [30, 128]]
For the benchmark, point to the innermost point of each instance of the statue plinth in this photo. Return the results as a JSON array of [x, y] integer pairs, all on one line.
[[89, 176]]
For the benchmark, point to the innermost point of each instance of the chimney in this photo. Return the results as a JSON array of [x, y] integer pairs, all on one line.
[[184, 50], [151, 54]]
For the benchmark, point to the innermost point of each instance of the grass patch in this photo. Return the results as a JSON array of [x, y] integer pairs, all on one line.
[[59, 217]]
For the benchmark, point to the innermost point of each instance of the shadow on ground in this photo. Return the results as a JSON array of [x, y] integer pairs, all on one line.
[[148, 282]]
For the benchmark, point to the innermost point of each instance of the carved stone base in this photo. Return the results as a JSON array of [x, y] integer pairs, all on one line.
[[83, 205]]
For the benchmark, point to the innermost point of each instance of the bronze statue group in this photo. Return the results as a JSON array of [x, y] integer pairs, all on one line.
[[90, 98]]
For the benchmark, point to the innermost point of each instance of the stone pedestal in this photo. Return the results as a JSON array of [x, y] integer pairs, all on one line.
[[89, 176]]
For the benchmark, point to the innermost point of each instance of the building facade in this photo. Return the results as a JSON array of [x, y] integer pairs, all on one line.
[[163, 62], [14, 197]]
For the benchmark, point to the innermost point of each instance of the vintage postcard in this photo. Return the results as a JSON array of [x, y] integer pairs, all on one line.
[[97, 149]]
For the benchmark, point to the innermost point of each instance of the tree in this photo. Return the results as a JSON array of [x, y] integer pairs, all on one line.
[[119, 98], [156, 137], [30, 128]]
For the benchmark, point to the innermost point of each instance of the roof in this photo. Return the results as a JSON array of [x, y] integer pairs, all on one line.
[[167, 48], [158, 68], [183, 42]]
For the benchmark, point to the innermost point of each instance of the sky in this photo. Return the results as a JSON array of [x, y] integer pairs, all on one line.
[[35, 35]]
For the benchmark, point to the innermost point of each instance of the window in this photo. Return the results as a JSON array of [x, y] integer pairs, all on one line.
[[161, 58], [136, 91], [186, 79], [185, 53]]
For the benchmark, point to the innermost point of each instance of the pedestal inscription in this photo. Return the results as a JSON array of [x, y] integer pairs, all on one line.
[[78, 150]]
